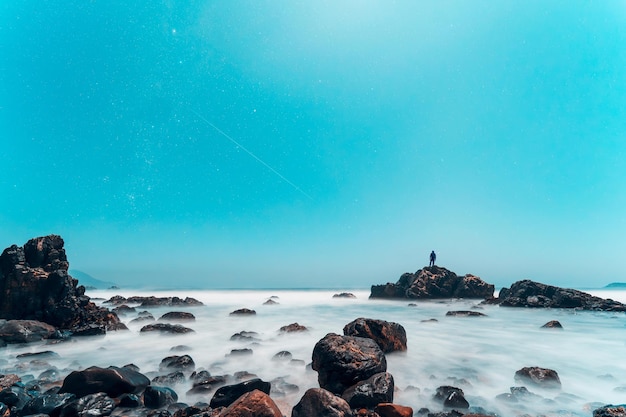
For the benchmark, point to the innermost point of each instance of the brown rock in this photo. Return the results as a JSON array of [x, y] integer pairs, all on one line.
[[293, 327], [389, 336], [252, 404], [539, 377], [320, 402], [610, 411], [25, 331], [393, 410], [7, 380], [243, 312], [552, 324]]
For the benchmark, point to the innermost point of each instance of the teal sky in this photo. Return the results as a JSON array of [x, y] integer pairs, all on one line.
[[289, 143]]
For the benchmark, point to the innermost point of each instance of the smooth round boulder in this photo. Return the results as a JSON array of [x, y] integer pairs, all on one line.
[[320, 402], [113, 381], [342, 361], [389, 336], [177, 316], [255, 403]]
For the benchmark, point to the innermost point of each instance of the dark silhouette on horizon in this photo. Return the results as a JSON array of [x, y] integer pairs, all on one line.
[[433, 257]]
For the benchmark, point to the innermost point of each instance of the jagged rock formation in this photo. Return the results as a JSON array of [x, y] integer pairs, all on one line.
[[529, 293], [35, 285], [434, 282]]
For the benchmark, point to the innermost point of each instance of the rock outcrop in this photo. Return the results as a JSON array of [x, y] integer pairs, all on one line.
[[529, 293], [35, 285], [434, 282]]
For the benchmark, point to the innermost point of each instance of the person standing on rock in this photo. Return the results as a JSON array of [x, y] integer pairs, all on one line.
[[432, 258]]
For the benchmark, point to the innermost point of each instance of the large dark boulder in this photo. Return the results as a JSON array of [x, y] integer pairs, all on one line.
[[35, 285], [369, 393], [228, 394], [389, 336], [434, 282], [158, 397], [318, 402], [527, 293], [342, 361], [255, 403], [113, 381]]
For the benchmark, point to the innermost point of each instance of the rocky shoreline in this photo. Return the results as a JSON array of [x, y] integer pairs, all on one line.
[[351, 367]]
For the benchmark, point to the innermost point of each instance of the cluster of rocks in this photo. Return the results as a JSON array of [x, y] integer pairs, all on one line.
[[434, 282], [152, 301], [35, 286], [527, 293]]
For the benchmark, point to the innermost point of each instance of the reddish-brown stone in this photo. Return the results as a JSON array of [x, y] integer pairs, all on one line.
[[393, 410]]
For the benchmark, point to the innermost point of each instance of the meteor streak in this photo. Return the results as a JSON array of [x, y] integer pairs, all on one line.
[[262, 162]]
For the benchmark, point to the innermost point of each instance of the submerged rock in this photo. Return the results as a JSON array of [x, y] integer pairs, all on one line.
[[228, 394], [434, 282], [166, 328]]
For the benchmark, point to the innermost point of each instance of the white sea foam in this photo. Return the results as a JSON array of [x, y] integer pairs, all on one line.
[[478, 354]]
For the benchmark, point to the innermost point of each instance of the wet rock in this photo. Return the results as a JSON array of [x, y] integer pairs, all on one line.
[[123, 309], [14, 396], [50, 375], [270, 302], [25, 331], [158, 397], [434, 282], [152, 301], [282, 356], [46, 354], [207, 385], [389, 336], [93, 405], [280, 387], [240, 352], [166, 328], [144, 318], [243, 375], [529, 293], [342, 361], [293, 327], [255, 403], [376, 389], [5, 411], [49, 404], [393, 410], [610, 411], [318, 402], [178, 363], [177, 316], [113, 381], [7, 380], [169, 379], [451, 397], [243, 312], [552, 324], [228, 394], [129, 401], [245, 336], [539, 377], [464, 313], [180, 348], [197, 376], [35, 285], [344, 295]]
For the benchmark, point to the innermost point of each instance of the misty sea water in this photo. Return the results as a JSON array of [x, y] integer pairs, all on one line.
[[478, 354]]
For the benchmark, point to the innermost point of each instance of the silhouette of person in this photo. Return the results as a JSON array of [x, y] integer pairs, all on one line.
[[432, 258]]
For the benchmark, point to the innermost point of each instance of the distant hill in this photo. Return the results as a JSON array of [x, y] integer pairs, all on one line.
[[616, 285], [89, 281]]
